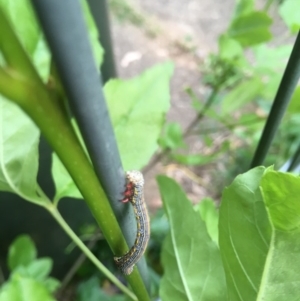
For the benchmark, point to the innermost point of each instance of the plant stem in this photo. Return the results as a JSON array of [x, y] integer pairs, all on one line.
[[285, 91], [57, 216], [42, 106], [82, 85]]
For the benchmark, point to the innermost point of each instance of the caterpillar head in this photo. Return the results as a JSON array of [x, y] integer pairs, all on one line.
[[135, 177]]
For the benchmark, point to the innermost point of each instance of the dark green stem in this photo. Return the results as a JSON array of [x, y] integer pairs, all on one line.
[[286, 88]]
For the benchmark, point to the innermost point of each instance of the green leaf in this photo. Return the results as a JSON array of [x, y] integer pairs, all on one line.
[[244, 235], [28, 31], [191, 260], [91, 291], [289, 11], [137, 108], [243, 7], [40, 268], [229, 48], [281, 276], [24, 22], [51, 284], [210, 216], [273, 59], [27, 28], [24, 289], [240, 95], [21, 252], [251, 29], [19, 139], [172, 137], [64, 185]]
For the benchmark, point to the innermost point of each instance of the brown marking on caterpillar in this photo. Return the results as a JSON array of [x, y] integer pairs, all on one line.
[[134, 194]]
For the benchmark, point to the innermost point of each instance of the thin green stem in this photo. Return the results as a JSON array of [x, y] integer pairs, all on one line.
[[57, 216]]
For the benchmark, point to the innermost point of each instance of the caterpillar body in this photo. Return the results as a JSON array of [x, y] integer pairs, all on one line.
[[134, 193]]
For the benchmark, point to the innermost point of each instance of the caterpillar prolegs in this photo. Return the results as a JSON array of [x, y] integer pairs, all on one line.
[[134, 193]]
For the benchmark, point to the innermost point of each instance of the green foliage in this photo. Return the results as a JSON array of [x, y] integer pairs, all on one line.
[[21, 252], [29, 278], [18, 165], [251, 29], [290, 13], [240, 95], [64, 185], [258, 240], [191, 260], [138, 106], [24, 21], [254, 252], [28, 30], [244, 232], [210, 216], [171, 137], [244, 76]]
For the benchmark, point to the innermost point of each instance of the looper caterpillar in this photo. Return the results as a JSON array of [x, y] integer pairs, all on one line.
[[135, 195]]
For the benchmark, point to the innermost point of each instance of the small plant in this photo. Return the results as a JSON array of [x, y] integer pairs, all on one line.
[[29, 276]]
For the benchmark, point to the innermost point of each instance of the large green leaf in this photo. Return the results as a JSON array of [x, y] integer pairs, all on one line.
[[243, 7], [22, 252], [137, 108], [19, 139], [251, 29], [244, 235], [191, 260], [259, 238], [281, 280]]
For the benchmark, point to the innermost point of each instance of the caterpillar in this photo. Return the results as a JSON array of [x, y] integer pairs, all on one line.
[[135, 195]]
